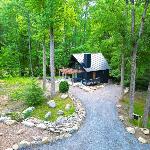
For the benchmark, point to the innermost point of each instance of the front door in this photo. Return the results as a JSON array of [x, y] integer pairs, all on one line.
[[94, 75]]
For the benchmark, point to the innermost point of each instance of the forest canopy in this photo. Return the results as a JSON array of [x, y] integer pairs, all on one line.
[[79, 26]]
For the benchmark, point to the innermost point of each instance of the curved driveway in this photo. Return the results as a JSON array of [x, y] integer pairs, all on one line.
[[101, 129]]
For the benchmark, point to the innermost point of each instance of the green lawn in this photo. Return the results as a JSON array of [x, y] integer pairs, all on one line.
[[9, 85], [42, 109], [138, 106]]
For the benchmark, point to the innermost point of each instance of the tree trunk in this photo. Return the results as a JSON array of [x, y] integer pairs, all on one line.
[[52, 67], [85, 22], [134, 53], [29, 45], [122, 72], [146, 109], [44, 64], [123, 58]]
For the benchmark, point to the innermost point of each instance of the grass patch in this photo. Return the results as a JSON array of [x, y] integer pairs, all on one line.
[[42, 109], [139, 104], [10, 85]]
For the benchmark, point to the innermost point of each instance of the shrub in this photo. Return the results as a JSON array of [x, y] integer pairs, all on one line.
[[33, 94], [16, 116], [63, 87]]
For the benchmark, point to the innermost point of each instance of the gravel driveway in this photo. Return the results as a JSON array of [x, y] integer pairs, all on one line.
[[102, 129]]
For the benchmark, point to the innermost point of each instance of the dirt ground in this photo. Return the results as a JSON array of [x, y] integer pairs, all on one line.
[[9, 134]]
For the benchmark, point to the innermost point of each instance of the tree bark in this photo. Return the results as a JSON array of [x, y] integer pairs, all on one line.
[[122, 72], [146, 109], [44, 64], [52, 67], [29, 45], [134, 53]]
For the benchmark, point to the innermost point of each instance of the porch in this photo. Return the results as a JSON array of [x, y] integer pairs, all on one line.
[[77, 76]]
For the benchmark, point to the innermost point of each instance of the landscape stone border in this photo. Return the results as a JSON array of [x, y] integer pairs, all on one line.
[[64, 126], [141, 134]]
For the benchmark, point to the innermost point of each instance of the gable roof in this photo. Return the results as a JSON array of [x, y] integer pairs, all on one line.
[[98, 62]]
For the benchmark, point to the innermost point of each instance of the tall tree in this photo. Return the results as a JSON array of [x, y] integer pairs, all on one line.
[[44, 63], [52, 67], [135, 43]]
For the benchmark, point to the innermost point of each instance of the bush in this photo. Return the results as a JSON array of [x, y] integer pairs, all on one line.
[[33, 94], [16, 116], [63, 87]]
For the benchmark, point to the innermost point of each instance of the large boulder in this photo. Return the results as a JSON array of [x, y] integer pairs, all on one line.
[[51, 104], [130, 130]]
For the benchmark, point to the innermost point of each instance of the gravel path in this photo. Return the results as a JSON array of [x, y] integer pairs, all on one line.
[[102, 129]]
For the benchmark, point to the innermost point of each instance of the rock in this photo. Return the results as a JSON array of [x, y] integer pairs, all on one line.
[[142, 140], [60, 112], [20, 131], [68, 106], [1, 134], [67, 135], [36, 138], [121, 118], [45, 140], [51, 129], [126, 90], [145, 131], [28, 124], [51, 104], [48, 115], [118, 106], [64, 96], [41, 126], [60, 120], [15, 147], [10, 122], [3, 119], [23, 144], [130, 130], [29, 109]]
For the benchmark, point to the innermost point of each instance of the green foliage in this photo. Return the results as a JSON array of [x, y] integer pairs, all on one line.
[[63, 87], [16, 116], [79, 26], [27, 114], [33, 94]]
